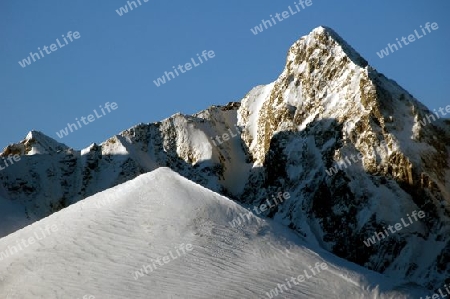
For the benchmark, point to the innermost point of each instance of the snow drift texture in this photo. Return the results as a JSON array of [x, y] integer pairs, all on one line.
[[102, 241]]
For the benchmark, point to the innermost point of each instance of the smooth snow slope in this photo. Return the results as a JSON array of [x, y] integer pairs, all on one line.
[[100, 243]]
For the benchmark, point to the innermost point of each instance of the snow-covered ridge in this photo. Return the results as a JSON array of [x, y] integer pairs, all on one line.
[[97, 251]]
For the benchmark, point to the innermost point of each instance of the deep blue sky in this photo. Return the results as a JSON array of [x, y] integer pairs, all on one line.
[[118, 57]]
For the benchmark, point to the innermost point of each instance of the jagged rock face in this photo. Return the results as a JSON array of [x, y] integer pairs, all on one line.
[[328, 104], [51, 176]]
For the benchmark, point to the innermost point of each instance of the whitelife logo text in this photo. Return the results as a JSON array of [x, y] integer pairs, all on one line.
[[53, 48], [187, 67], [39, 235], [281, 16], [411, 38], [123, 10], [165, 259], [10, 158], [262, 208], [397, 227], [90, 118]]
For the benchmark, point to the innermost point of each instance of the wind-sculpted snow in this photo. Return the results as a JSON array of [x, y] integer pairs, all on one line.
[[97, 251]]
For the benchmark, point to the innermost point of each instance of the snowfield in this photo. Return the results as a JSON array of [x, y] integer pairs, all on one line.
[[103, 240]]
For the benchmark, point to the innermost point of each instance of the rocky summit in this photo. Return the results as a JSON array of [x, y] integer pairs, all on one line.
[[297, 134]]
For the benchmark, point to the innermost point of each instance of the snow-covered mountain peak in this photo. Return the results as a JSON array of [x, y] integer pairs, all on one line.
[[329, 105], [324, 78], [326, 81], [326, 36], [35, 143], [33, 134]]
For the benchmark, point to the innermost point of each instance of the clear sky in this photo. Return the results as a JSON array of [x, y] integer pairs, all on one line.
[[117, 57]]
